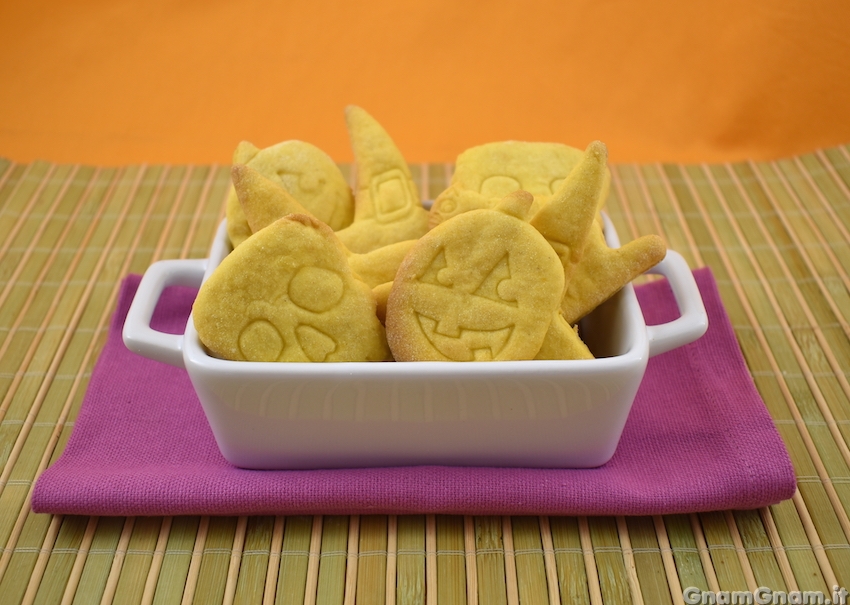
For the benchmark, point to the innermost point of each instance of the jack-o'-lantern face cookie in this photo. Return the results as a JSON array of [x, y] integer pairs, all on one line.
[[482, 286], [306, 172], [288, 294], [486, 173]]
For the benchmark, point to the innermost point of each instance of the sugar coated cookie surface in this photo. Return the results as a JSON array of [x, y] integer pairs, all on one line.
[[484, 285], [288, 294]]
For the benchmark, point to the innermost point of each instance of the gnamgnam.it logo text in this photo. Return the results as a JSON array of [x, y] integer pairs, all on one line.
[[764, 596]]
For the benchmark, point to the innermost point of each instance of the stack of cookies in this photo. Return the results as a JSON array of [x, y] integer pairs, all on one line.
[[504, 265]]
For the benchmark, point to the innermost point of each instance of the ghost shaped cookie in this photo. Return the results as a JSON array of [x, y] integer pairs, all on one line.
[[482, 286], [288, 294]]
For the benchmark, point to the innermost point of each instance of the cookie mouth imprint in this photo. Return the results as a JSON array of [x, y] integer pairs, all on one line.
[[481, 345]]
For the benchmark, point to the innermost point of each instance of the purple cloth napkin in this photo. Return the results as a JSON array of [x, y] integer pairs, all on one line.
[[698, 438]]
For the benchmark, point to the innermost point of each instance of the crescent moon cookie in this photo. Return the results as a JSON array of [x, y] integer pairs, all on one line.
[[387, 208], [306, 172], [288, 294], [482, 286]]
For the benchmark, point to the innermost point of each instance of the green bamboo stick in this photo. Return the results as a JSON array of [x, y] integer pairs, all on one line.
[[250, 586], [294, 559], [685, 553], [726, 564], [61, 560], [490, 559], [648, 563], [530, 568], [372, 561], [331, 586], [215, 561], [451, 560], [98, 561], [759, 551], [572, 575], [137, 561], [410, 578], [800, 554], [609, 560], [176, 560]]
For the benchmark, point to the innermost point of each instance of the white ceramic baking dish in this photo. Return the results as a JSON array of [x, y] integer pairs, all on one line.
[[553, 414]]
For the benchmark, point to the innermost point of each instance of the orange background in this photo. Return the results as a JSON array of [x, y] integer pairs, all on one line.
[[116, 82]]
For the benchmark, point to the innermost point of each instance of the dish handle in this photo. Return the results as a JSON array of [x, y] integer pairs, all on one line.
[[138, 335], [692, 321]]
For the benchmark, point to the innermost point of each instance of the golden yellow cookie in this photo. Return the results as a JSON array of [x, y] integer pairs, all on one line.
[[484, 285], [563, 342], [263, 201], [380, 265], [565, 220], [602, 271], [288, 294], [382, 294], [486, 173], [305, 172], [387, 205]]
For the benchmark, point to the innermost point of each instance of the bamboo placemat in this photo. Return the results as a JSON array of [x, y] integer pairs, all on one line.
[[775, 235]]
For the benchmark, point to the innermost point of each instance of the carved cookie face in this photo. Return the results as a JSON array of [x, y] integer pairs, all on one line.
[[311, 177], [482, 286], [287, 294]]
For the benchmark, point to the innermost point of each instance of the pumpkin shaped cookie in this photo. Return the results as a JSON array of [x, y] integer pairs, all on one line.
[[484, 285]]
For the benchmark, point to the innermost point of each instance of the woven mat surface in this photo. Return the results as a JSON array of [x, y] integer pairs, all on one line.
[[775, 234]]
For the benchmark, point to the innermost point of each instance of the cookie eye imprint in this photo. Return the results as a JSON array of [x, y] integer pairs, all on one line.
[[315, 344], [555, 185], [499, 186], [497, 285], [260, 340], [316, 289]]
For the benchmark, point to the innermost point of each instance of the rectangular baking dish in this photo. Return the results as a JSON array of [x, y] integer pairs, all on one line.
[[551, 414]]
